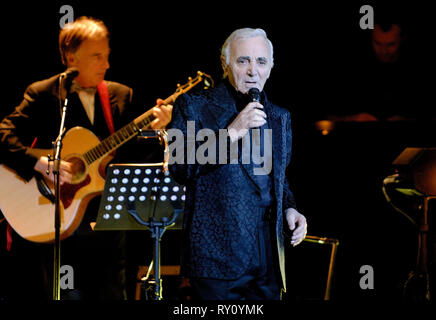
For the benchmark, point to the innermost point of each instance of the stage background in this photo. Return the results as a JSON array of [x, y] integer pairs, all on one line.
[[320, 54]]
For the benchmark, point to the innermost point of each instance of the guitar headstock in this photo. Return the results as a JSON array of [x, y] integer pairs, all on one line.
[[144, 120], [192, 82]]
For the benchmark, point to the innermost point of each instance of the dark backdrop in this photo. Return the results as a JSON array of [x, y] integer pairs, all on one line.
[[319, 52]]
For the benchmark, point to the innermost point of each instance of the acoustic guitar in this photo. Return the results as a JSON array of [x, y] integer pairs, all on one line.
[[29, 206]]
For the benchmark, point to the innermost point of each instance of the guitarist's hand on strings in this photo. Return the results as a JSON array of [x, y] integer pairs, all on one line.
[[43, 165], [162, 114]]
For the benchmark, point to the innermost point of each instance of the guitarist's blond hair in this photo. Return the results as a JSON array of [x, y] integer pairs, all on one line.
[[73, 34]]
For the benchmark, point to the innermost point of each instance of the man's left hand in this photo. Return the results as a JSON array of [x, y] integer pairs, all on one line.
[[297, 224], [162, 114]]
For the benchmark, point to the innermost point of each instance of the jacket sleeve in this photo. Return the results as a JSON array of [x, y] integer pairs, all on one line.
[[179, 167], [16, 137], [288, 196]]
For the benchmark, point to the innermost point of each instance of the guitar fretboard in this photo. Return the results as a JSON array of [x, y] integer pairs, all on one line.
[[120, 137], [127, 132]]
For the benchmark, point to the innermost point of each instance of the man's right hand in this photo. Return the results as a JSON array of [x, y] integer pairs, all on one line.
[[252, 116], [65, 170]]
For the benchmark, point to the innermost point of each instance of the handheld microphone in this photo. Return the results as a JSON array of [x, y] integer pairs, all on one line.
[[254, 94], [70, 73]]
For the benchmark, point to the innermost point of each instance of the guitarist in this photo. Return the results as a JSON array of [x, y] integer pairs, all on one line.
[[97, 258]]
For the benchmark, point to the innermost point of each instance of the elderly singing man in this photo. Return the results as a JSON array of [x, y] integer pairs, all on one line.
[[238, 209]]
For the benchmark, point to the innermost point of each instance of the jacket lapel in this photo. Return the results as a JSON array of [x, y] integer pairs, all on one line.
[[277, 125], [218, 114], [221, 111]]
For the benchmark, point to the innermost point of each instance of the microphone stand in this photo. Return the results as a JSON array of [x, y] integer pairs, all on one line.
[[57, 218]]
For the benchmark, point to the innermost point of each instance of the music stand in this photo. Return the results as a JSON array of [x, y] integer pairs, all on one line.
[[418, 167], [142, 197]]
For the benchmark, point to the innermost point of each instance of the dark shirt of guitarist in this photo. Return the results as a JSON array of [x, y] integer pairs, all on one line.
[[84, 45]]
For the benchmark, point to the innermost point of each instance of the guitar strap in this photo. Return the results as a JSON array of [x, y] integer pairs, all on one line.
[[8, 236], [103, 94]]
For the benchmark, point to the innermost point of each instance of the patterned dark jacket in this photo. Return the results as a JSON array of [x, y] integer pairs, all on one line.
[[220, 228]]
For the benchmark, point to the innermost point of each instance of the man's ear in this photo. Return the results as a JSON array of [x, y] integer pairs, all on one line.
[[71, 59], [224, 66]]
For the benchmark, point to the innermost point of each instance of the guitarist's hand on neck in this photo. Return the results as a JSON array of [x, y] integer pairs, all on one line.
[[65, 170], [162, 114]]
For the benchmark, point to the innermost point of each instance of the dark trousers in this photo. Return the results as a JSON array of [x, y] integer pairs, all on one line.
[[98, 260], [261, 281], [98, 263]]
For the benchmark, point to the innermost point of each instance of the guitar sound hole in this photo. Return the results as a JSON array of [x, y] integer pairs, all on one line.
[[79, 169]]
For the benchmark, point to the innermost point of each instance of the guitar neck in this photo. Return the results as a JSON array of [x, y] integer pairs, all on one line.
[[143, 122], [119, 138]]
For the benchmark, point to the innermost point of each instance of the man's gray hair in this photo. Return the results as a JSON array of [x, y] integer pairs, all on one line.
[[244, 33]]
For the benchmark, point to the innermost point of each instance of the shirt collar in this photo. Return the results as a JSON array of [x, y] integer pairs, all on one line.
[[75, 87], [241, 99]]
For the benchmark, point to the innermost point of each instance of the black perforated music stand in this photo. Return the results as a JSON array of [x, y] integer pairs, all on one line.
[[142, 197]]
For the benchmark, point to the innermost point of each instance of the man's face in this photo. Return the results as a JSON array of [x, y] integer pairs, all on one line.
[[249, 63], [386, 45], [92, 61]]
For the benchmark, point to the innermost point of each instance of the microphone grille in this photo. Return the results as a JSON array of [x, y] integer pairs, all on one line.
[[254, 94]]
